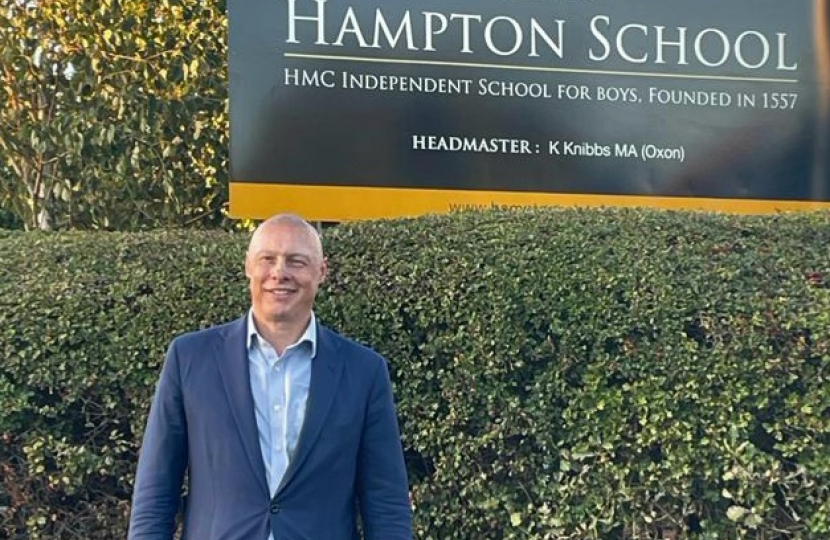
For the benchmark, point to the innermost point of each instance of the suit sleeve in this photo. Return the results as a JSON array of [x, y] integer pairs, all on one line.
[[383, 489], [162, 460]]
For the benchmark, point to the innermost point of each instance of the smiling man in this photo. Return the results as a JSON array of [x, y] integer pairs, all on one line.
[[285, 266], [285, 429]]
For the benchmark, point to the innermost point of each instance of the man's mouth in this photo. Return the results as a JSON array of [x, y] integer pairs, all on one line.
[[281, 293]]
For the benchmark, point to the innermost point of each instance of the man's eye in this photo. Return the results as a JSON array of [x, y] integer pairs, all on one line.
[[296, 263]]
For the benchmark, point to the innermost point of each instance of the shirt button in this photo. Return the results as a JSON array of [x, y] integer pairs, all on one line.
[[277, 408], [274, 508]]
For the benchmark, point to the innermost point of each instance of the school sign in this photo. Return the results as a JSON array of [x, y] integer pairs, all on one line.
[[351, 109]]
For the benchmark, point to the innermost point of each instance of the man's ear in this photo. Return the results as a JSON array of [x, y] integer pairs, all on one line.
[[324, 270], [247, 266]]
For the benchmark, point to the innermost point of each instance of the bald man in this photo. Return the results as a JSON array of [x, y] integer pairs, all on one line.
[[287, 431]]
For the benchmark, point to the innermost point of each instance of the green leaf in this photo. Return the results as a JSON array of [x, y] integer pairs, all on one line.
[[736, 513]]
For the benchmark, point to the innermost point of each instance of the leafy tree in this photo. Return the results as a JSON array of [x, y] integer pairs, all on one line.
[[114, 113]]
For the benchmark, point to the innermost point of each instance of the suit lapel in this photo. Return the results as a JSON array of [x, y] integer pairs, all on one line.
[[232, 359], [326, 370]]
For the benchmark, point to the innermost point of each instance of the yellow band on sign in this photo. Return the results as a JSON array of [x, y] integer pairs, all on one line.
[[345, 203]]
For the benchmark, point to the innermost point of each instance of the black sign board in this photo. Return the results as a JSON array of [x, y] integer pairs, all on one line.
[[344, 109]]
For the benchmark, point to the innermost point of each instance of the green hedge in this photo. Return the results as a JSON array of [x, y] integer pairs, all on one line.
[[571, 374]]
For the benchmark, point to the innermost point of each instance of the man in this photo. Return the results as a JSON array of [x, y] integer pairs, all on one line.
[[283, 426]]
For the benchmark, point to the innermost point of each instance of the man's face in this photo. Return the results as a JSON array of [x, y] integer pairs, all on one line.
[[285, 267]]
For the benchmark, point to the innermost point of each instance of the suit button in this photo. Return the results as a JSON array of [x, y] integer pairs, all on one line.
[[274, 508]]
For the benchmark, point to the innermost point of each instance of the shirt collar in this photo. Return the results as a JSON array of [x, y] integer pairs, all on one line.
[[309, 336]]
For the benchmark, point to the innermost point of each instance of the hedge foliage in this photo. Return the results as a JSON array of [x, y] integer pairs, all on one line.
[[114, 113], [560, 374]]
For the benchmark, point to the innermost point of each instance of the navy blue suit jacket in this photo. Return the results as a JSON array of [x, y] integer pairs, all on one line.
[[202, 421]]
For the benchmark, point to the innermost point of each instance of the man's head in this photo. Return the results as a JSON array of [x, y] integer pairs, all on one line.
[[285, 266]]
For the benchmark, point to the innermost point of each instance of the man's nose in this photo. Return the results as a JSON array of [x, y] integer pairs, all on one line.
[[279, 270]]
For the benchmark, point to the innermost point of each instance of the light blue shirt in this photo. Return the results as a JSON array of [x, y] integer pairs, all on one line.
[[280, 388]]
